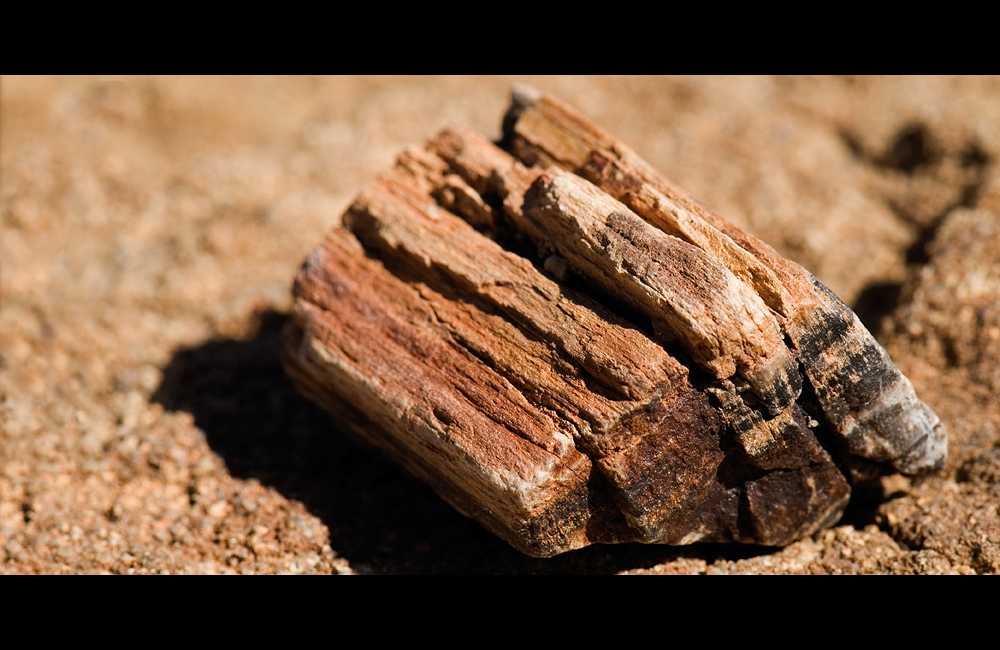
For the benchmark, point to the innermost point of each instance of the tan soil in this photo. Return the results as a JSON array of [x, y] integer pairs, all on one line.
[[151, 228]]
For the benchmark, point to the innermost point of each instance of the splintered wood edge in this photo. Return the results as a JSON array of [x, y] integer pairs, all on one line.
[[868, 402]]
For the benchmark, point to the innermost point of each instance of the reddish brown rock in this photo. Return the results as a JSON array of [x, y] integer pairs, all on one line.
[[571, 350]]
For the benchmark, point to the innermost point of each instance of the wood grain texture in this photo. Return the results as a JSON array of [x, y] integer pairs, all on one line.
[[869, 404], [570, 350]]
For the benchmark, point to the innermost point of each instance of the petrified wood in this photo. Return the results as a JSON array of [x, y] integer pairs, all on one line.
[[569, 349]]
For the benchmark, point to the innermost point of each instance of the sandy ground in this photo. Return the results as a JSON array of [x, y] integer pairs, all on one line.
[[151, 228]]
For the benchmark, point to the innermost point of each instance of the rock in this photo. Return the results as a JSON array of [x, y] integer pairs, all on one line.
[[571, 350]]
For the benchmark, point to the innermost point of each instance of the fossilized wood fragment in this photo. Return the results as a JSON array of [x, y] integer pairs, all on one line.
[[504, 374]]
